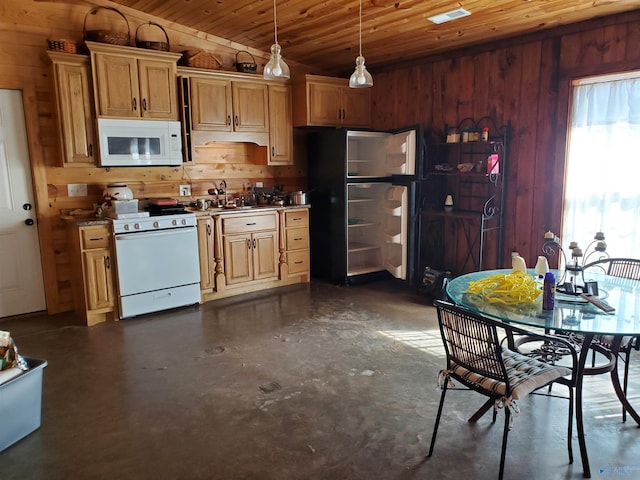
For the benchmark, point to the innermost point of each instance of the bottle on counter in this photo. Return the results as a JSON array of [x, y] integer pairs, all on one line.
[[518, 263], [548, 291]]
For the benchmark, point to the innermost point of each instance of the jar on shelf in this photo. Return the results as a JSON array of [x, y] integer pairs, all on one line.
[[465, 135], [453, 135], [485, 134]]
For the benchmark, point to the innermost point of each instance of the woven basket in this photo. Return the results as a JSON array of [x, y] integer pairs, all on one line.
[[246, 67], [152, 45], [106, 36], [62, 45], [200, 59]]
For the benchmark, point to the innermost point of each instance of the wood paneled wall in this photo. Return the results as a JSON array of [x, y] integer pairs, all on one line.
[[25, 26], [525, 81]]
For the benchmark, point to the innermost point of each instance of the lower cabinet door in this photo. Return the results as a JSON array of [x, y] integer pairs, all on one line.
[[265, 255], [238, 258], [98, 278]]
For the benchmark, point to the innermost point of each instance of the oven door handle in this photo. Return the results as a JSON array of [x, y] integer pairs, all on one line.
[[155, 233]]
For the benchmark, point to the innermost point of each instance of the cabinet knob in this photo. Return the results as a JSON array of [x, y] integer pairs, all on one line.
[[91, 149], [144, 104], [236, 119], [135, 103]]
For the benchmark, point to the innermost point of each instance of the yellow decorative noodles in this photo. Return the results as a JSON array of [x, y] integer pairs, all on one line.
[[507, 288]]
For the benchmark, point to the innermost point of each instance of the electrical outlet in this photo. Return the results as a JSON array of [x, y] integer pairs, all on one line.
[[185, 190], [77, 189], [259, 184]]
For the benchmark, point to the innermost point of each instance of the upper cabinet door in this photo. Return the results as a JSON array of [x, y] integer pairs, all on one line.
[[211, 105], [250, 102], [356, 104], [329, 102], [324, 104], [280, 128], [117, 85], [157, 89], [75, 108], [134, 82]]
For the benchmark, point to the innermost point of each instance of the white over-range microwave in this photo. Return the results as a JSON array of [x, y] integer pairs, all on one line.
[[133, 143]]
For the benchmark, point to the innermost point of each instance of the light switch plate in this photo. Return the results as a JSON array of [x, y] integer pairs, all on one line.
[[77, 189]]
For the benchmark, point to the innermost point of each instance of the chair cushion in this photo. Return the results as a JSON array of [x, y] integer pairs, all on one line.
[[525, 374]]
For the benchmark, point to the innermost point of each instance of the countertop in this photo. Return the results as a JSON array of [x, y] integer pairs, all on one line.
[[248, 209], [87, 218]]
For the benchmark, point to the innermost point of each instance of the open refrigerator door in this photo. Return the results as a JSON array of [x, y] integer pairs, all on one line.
[[395, 231]]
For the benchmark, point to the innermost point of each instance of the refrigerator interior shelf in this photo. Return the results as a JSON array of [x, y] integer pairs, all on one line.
[[362, 223], [396, 270], [359, 200], [393, 237], [361, 247], [394, 208]]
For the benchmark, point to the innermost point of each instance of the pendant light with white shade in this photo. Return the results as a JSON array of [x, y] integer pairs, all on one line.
[[360, 78], [276, 67]]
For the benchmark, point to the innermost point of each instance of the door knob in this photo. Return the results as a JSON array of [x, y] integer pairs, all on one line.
[[27, 206], [28, 221]]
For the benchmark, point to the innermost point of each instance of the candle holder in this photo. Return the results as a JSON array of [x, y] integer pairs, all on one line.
[[573, 262]]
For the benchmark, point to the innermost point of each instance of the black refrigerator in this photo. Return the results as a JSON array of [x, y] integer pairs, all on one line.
[[365, 189]]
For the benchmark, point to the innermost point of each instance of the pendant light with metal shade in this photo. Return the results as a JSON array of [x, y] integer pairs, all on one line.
[[275, 67], [360, 78]]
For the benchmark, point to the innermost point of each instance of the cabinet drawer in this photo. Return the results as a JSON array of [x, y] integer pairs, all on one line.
[[298, 261], [95, 237], [297, 218], [297, 239], [249, 224]]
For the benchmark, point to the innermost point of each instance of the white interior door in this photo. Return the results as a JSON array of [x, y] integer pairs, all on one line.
[[21, 283]]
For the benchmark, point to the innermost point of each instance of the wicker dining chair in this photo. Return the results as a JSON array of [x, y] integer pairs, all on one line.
[[624, 268], [486, 362]]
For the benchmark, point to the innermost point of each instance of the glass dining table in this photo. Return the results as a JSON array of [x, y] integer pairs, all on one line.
[[572, 314]]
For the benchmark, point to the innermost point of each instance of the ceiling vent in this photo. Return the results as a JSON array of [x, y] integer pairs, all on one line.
[[448, 16]]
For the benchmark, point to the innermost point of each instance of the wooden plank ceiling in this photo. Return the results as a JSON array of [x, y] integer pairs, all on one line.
[[324, 34]]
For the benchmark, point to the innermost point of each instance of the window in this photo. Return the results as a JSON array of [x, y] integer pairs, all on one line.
[[602, 182]]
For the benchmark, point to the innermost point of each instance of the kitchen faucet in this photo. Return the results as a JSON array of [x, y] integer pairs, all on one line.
[[223, 189]]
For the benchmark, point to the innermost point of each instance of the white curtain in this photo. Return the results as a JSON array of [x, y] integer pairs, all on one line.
[[602, 188]]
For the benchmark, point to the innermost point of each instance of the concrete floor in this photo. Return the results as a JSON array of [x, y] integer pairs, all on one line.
[[303, 382]]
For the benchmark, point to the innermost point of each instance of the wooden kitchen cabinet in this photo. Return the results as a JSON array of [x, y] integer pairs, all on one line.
[[250, 248], [229, 106], [296, 242], [236, 107], [328, 101], [74, 104], [206, 251], [280, 126], [92, 273], [134, 83]]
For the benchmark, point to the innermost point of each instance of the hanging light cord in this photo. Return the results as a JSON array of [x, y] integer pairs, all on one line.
[[275, 21], [360, 27]]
